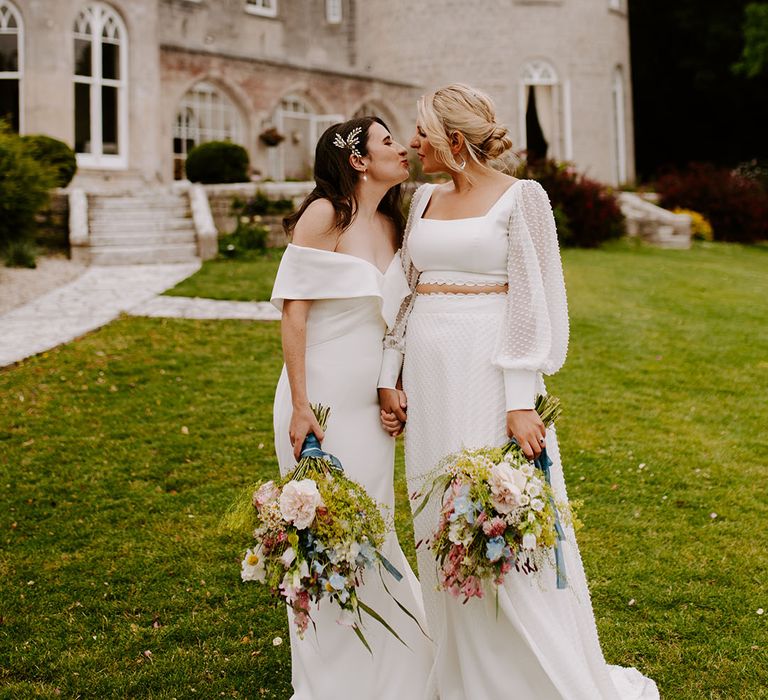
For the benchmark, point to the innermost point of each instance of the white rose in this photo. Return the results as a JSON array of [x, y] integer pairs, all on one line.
[[252, 566], [299, 501], [507, 486], [529, 541]]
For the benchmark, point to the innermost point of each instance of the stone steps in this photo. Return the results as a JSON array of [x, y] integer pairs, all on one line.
[[140, 229], [143, 255]]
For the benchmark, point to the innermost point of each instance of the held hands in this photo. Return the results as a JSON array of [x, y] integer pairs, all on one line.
[[394, 405], [529, 431], [303, 422]]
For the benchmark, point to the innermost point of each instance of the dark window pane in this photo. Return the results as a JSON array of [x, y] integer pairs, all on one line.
[[110, 61], [109, 120], [82, 57], [9, 103], [82, 118], [9, 54]]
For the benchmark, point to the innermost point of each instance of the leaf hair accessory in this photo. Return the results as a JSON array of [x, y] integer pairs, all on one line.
[[351, 142]]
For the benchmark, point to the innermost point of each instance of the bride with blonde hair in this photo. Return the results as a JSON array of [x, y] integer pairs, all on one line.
[[486, 317]]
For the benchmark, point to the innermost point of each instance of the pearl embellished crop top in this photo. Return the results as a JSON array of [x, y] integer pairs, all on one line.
[[470, 251], [514, 242]]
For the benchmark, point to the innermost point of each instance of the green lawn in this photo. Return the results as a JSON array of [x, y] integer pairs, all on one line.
[[240, 280], [120, 451]]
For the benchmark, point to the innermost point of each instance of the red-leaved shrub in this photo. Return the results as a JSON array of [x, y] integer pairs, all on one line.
[[736, 206], [586, 211]]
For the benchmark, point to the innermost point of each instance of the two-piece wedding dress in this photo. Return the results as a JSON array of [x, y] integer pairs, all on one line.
[[352, 301], [469, 358]]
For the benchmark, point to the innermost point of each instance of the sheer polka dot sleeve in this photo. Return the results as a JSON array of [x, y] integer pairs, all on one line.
[[534, 338]]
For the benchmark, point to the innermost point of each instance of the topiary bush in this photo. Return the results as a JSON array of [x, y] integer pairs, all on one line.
[[217, 162], [735, 205], [53, 154], [24, 186], [586, 212]]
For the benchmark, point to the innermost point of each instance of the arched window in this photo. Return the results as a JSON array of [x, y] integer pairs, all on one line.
[[204, 114], [11, 64], [101, 129], [619, 127], [541, 111], [299, 122]]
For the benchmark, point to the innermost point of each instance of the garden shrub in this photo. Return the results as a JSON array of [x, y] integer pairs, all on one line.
[[217, 162], [250, 236], [736, 205], [586, 211], [261, 205], [24, 186], [701, 229], [53, 154]]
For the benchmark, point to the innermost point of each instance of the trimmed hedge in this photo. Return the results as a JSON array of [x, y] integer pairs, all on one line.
[[217, 162], [736, 205], [24, 187], [586, 211], [52, 154]]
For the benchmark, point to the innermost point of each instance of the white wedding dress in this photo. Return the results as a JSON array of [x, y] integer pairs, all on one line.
[[468, 359], [345, 326]]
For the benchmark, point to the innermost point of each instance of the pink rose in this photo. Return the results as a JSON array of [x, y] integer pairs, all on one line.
[[495, 527], [299, 501], [264, 494]]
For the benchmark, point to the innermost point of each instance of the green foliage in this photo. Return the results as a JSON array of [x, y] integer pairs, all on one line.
[[261, 205], [20, 253], [110, 517], [586, 212], [217, 162], [754, 57], [53, 154], [24, 186], [250, 236]]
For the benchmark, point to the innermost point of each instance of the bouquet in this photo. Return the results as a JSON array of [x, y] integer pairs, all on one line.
[[316, 532], [498, 513]]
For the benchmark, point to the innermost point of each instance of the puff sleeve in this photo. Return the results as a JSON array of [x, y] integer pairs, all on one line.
[[534, 338]]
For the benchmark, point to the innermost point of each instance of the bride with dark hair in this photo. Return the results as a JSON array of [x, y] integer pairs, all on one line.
[[339, 285]]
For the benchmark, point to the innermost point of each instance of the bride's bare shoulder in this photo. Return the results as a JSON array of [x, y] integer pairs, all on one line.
[[317, 226]]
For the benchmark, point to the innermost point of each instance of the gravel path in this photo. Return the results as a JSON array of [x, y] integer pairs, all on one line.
[[20, 285]]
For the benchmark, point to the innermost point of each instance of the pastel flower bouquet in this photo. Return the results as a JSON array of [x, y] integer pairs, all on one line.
[[316, 533], [498, 513]]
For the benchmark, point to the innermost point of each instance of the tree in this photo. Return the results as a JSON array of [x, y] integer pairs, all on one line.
[[754, 57], [688, 103]]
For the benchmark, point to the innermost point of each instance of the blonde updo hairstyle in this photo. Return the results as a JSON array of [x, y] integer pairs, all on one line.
[[458, 108]]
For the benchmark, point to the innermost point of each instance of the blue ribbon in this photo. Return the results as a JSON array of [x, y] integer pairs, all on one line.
[[543, 462], [311, 448]]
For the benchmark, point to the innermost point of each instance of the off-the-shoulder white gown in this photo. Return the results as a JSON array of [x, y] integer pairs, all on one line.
[[469, 358], [351, 301]]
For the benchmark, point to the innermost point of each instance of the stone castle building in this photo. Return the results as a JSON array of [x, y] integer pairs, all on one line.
[[133, 85]]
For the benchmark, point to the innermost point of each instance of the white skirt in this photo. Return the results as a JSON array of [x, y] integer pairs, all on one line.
[[543, 643]]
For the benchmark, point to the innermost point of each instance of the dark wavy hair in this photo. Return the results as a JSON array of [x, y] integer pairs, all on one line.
[[335, 179]]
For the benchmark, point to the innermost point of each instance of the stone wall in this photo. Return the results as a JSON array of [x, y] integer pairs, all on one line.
[[225, 201], [53, 223]]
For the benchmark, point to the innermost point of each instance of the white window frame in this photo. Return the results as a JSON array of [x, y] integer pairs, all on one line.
[[618, 111], [334, 11], [12, 11], [263, 8], [540, 72], [100, 13], [297, 107], [208, 117]]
